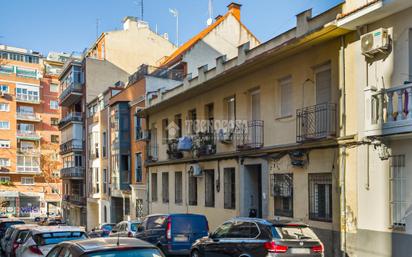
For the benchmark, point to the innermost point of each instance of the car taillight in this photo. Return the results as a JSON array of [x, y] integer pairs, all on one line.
[[169, 229], [15, 246], [317, 248], [35, 249], [275, 248]]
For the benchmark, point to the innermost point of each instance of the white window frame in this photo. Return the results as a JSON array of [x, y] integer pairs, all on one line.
[[5, 162], [6, 122], [4, 144], [57, 88], [52, 105], [24, 181], [6, 86], [7, 109]]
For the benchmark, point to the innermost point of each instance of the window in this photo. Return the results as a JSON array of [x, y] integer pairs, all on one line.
[[230, 105], [320, 197], [96, 180], [243, 230], [138, 167], [4, 179], [286, 97], [54, 88], [165, 130], [4, 89], [4, 162], [4, 143], [323, 78], [178, 187], [178, 123], [154, 187], [54, 121], [398, 190], [229, 188], [192, 190], [138, 132], [191, 122], [54, 105], [104, 145], [4, 107], [210, 188], [126, 207], [4, 125], [25, 127], [165, 187], [27, 93], [104, 181], [282, 191], [54, 138], [27, 181], [209, 115]]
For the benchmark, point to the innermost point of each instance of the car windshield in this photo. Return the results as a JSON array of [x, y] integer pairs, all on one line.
[[295, 232], [133, 226], [57, 237], [107, 227], [126, 253]]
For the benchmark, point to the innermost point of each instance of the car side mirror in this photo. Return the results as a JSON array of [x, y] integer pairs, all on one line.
[[19, 241], [140, 228]]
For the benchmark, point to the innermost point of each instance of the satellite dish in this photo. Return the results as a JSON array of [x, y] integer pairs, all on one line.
[[209, 21]]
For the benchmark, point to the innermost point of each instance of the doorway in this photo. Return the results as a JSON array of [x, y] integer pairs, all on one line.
[[253, 190]]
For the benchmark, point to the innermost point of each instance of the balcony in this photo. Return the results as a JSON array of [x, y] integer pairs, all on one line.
[[26, 98], [72, 173], [28, 163], [28, 116], [28, 151], [75, 199], [71, 94], [204, 144], [144, 70], [28, 135], [389, 111], [172, 151], [27, 73], [69, 118], [316, 122], [152, 152], [74, 145], [250, 136], [28, 169]]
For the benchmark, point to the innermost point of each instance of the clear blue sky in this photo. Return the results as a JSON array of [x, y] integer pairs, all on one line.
[[70, 25]]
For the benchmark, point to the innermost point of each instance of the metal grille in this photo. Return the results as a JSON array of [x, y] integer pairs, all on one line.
[[320, 196], [316, 122], [282, 191], [230, 188], [250, 136], [398, 190]]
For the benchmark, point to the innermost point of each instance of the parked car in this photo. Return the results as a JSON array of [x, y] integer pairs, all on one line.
[[174, 234], [125, 229], [105, 247], [41, 239], [17, 238], [102, 231], [6, 223], [258, 237]]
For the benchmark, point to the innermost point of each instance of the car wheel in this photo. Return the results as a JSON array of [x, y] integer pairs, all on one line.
[[195, 253]]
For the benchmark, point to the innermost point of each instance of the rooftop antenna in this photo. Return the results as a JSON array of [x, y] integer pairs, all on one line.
[[210, 11], [140, 4], [175, 14]]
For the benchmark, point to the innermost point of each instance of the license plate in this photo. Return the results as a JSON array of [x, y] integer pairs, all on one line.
[[181, 238], [300, 250]]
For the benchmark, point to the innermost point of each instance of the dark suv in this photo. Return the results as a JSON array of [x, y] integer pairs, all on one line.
[[257, 237], [174, 234]]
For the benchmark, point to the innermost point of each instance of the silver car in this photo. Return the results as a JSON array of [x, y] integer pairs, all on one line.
[[125, 229]]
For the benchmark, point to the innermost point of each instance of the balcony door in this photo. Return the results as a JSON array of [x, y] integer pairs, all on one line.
[[254, 131], [323, 80]]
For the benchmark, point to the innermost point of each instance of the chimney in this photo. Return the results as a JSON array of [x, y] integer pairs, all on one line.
[[129, 22], [302, 22], [234, 8]]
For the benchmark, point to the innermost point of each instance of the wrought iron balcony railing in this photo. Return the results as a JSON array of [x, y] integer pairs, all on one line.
[[250, 135], [71, 146], [72, 173], [71, 117], [28, 116], [316, 122]]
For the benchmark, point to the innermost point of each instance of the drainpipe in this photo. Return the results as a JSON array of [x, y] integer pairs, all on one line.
[[342, 173]]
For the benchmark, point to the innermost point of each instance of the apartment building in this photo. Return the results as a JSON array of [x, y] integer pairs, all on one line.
[[377, 65], [30, 185], [220, 38], [109, 60]]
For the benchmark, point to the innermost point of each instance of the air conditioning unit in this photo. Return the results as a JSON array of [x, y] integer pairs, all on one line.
[[225, 137], [196, 170], [375, 42]]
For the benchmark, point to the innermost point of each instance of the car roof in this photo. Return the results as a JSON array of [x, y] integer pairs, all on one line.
[[175, 214], [271, 222], [47, 229], [10, 220], [24, 226], [106, 243]]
